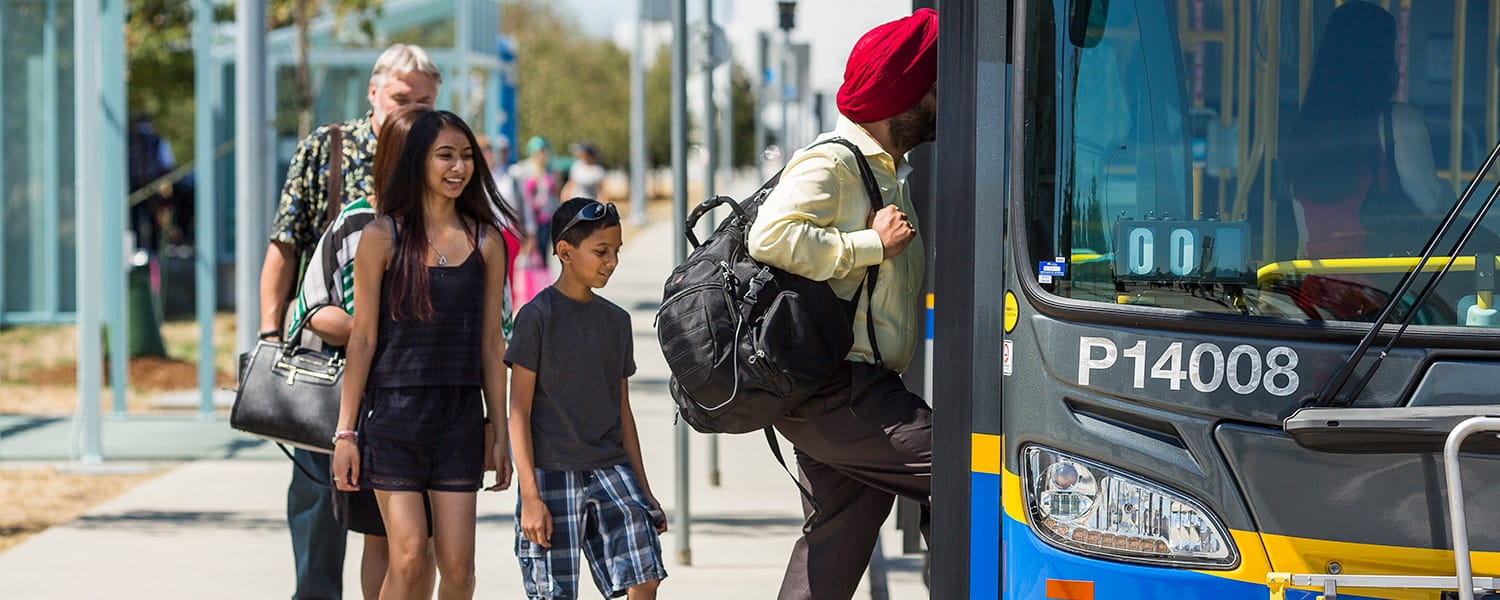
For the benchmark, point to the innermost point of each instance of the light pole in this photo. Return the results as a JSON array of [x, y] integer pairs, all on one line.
[[788, 13], [679, 249], [638, 120]]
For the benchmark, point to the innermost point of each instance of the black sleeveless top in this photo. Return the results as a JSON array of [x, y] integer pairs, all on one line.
[[443, 351]]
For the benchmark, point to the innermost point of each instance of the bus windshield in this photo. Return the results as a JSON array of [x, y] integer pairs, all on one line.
[[1266, 159]]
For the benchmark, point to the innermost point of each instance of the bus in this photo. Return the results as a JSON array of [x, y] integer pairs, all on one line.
[[1158, 358]]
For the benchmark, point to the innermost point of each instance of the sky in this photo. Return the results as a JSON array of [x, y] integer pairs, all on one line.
[[829, 26]]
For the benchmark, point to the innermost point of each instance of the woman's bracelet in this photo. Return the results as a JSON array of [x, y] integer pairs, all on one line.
[[345, 434]]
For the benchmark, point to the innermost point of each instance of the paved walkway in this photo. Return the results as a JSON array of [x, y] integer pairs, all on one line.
[[214, 527]]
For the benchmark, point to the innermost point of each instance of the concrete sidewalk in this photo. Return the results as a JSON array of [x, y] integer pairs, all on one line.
[[216, 527]]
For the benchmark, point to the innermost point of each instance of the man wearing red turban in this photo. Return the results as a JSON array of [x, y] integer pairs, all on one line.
[[863, 438]]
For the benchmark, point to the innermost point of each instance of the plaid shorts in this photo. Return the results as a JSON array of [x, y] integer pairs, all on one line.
[[602, 512]]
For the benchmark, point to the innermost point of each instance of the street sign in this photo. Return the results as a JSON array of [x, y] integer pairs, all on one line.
[[711, 47], [656, 10]]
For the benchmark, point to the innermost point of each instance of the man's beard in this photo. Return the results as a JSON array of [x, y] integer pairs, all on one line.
[[918, 125]]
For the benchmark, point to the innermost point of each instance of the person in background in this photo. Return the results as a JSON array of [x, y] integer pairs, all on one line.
[[403, 75], [540, 188], [425, 355], [150, 158], [497, 154], [586, 175], [862, 439]]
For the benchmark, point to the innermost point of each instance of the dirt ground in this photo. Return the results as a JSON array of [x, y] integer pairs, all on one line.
[[38, 498], [38, 368], [38, 376]]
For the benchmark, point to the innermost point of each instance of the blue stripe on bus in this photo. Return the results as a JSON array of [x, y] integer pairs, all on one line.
[[984, 534], [930, 318], [1031, 562]]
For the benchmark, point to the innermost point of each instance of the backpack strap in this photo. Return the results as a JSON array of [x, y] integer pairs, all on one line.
[[872, 190], [776, 451]]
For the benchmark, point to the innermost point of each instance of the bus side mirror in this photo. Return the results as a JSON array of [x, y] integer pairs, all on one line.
[[1086, 22]]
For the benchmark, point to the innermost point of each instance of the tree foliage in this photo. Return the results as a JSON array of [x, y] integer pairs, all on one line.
[[569, 87], [573, 87], [159, 56], [159, 64]]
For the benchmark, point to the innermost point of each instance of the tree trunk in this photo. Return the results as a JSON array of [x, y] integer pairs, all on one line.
[[301, 11]]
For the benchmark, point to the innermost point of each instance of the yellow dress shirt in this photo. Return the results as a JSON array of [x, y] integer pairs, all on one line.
[[816, 224]]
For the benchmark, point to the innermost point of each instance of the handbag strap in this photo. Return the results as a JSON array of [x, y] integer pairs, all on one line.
[[306, 472], [335, 195], [293, 337]]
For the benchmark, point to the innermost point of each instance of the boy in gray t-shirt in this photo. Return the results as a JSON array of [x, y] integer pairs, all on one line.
[[579, 472]]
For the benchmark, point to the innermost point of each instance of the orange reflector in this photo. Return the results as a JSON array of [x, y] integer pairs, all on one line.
[[1062, 589]]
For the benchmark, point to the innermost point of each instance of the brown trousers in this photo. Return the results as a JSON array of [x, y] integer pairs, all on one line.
[[860, 442]]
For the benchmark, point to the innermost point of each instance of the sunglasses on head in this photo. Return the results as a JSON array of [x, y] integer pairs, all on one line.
[[592, 211]]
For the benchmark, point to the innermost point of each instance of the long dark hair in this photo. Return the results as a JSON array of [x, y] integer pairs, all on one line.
[[1335, 141], [405, 140]]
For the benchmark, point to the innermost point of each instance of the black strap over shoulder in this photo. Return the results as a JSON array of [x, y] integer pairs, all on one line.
[[872, 190]]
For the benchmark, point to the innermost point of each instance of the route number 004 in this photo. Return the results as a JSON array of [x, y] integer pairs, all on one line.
[[1206, 366]]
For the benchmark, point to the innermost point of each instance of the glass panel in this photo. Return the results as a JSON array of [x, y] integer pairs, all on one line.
[[36, 159], [1236, 156]]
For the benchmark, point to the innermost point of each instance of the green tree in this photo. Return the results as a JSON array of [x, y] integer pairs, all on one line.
[[159, 65], [299, 14], [573, 87], [569, 87], [159, 57], [659, 108], [742, 97]]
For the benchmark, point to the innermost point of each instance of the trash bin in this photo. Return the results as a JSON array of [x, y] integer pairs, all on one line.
[[143, 309]]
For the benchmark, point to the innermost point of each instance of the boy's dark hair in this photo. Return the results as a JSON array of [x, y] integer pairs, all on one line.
[[583, 228]]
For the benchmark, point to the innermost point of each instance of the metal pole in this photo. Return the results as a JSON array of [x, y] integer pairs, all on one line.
[[710, 170], [638, 121], [1457, 519], [880, 588], [726, 114], [784, 87], [46, 219], [3, 227], [113, 183], [249, 166], [89, 222], [679, 246], [205, 186], [762, 73], [463, 34]]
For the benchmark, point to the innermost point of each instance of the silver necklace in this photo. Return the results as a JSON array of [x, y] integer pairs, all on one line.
[[442, 260]]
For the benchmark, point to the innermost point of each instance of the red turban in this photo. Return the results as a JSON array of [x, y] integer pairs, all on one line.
[[891, 68]]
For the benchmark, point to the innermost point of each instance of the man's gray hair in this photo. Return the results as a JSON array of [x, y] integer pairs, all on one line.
[[400, 59]]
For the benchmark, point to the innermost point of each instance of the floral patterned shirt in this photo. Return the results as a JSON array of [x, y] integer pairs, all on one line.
[[304, 195]]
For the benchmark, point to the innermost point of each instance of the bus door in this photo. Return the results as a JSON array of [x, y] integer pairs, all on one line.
[[1215, 198]]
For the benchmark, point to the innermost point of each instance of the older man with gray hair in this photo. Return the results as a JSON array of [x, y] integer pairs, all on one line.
[[403, 75]]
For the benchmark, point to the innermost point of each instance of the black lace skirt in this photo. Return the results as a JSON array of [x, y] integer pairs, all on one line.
[[422, 438]]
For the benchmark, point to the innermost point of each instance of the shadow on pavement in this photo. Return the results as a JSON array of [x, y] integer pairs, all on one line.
[[168, 521]]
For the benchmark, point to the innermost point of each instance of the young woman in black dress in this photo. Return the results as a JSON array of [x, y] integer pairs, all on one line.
[[425, 353]]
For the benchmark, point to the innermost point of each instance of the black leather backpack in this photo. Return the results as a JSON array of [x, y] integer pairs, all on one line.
[[748, 342]]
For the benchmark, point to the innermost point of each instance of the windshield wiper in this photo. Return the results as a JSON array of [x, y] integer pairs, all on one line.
[[1329, 395]]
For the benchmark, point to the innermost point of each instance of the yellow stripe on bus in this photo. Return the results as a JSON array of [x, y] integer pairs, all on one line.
[[1291, 554], [986, 453]]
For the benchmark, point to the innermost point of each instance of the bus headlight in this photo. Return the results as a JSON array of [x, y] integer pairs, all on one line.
[[1088, 508]]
